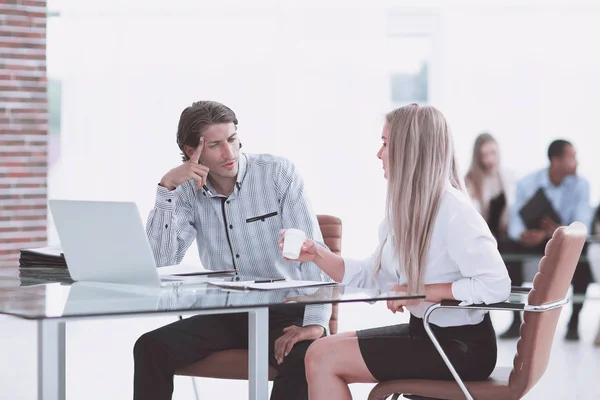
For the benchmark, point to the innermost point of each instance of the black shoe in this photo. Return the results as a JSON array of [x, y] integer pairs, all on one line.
[[513, 332], [572, 334]]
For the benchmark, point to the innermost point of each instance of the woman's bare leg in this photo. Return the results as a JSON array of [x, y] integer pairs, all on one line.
[[332, 363]]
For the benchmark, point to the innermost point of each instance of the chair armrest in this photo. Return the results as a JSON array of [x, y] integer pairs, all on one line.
[[505, 306], [520, 290]]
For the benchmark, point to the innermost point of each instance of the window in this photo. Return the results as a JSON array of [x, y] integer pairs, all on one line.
[[55, 67], [409, 50], [410, 57]]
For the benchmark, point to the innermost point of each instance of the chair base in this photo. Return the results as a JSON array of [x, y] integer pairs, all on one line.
[[396, 396], [416, 397]]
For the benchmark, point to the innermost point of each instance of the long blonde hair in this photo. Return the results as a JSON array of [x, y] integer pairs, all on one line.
[[421, 162], [476, 173]]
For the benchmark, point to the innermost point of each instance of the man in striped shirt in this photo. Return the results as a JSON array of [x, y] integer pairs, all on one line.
[[234, 205]]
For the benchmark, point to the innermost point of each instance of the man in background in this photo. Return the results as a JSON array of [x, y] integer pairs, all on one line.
[[569, 195]]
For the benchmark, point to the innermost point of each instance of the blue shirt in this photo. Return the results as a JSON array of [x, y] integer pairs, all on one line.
[[570, 199]]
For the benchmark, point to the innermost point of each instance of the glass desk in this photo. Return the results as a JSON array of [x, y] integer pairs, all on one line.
[[52, 305]]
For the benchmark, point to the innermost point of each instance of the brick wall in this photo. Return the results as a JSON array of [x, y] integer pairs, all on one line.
[[23, 127]]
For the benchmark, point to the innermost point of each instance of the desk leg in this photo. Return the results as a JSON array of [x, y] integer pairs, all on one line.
[[258, 360], [51, 360]]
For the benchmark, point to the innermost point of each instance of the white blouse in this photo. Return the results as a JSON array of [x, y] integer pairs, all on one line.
[[462, 252]]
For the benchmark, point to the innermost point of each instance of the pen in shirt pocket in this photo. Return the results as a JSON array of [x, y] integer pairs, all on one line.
[[270, 280], [207, 191]]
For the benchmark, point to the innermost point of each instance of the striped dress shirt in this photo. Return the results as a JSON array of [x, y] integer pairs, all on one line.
[[240, 231]]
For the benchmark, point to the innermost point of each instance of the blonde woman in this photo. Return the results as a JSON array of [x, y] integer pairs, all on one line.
[[490, 188], [433, 241]]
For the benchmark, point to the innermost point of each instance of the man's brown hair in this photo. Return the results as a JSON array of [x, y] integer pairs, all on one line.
[[195, 118]]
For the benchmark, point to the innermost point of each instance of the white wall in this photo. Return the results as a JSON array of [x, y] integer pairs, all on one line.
[[313, 95], [527, 76], [309, 82]]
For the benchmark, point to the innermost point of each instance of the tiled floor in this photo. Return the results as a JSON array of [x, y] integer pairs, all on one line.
[[99, 361]]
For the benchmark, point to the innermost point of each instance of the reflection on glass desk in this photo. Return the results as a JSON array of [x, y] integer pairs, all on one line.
[[51, 305], [82, 299]]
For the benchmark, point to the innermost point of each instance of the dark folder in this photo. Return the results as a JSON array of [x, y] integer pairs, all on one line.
[[495, 210], [537, 208]]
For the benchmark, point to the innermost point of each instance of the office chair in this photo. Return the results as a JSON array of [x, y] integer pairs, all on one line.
[[543, 307]]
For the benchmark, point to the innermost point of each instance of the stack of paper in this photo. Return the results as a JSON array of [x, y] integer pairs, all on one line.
[[44, 257], [43, 265]]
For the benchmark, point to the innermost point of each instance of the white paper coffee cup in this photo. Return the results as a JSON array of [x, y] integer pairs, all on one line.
[[293, 240]]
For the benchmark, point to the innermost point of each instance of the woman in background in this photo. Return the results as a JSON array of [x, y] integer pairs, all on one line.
[[489, 187], [492, 194]]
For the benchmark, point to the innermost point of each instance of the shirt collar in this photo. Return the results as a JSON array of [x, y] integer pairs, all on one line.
[[242, 166], [545, 178], [546, 183]]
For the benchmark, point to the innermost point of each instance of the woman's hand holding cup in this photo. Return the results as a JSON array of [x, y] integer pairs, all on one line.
[[294, 246]]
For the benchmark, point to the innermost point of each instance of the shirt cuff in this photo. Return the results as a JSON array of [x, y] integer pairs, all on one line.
[[351, 269], [462, 290], [317, 314], [165, 198]]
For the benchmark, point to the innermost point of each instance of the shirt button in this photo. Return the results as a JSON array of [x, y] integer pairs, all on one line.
[[230, 226], [227, 202], [237, 256], [166, 226], [169, 200]]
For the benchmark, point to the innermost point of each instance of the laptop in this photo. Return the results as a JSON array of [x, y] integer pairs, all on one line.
[[106, 242]]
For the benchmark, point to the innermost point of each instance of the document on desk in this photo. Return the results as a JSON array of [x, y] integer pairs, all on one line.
[[188, 270], [270, 285]]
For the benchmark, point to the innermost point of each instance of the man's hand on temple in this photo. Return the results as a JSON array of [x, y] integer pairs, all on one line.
[[189, 170]]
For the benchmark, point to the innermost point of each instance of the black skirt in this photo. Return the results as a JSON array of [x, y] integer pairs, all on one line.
[[406, 352]]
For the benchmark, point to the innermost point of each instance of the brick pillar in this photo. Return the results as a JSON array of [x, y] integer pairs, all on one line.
[[23, 127]]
